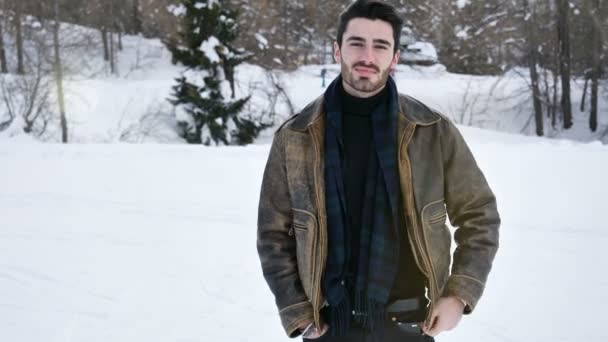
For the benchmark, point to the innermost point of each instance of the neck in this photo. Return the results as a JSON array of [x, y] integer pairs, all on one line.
[[357, 93], [361, 106]]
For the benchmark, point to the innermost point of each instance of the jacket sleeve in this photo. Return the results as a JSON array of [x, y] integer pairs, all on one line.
[[277, 247], [472, 210]]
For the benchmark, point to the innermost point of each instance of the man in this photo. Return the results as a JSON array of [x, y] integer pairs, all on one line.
[[351, 227]]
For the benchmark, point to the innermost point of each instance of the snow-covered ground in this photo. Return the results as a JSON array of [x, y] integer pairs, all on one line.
[[151, 243]]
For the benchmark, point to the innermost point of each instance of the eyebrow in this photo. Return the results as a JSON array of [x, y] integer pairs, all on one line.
[[376, 41]]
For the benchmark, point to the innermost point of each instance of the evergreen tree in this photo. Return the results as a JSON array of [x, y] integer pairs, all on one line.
[[208, 29]]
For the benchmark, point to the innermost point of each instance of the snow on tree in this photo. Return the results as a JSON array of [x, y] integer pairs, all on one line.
[[479, 37], [203, 114]]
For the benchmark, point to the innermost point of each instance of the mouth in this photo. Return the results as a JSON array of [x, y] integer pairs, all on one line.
[[365, 71]]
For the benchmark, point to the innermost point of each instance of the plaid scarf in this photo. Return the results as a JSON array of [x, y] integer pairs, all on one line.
[[369, 285]]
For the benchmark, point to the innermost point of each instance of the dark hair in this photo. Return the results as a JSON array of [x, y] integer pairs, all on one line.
[[371, 9]]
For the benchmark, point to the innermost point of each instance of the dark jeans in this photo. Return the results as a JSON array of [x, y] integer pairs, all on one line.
[[393, 333]]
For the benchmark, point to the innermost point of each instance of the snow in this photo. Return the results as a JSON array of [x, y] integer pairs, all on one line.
[[263, 42], [156, 242], [208, 47], [462, 3], [206, 137], [153, 242], [177, 10], [203, 4], [461, 32]]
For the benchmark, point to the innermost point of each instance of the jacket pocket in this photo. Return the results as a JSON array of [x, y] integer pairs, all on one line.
[[438, 219], [304, 227], [434, 214], [438, 239]]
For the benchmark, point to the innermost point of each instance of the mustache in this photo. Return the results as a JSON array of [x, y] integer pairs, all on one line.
[[370, 66]]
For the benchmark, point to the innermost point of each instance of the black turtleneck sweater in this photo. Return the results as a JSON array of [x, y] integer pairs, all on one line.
[[357, 137]]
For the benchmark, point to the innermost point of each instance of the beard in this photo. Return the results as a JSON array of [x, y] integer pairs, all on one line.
[[364, 84]]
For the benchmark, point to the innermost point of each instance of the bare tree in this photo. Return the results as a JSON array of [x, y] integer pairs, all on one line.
[[156, 124], [107, 25], [104, 40], [26, 98], [104, 12], [19, 37], [136, 17], [532, 57], [596, 46], [3, 67], [59, 75], [272, 93], [6, 99], [563, 33], [112, 26]]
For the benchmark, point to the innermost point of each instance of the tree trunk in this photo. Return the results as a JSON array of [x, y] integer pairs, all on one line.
[[547, 92], [104, 39], [326, 44], [563, 31], [230, 78], [532, 62], [59, 77], [596, 46], [112, 28], [19, 39], [137, 26], [554, 102], [584, 97], [3, 67], [112, 66]]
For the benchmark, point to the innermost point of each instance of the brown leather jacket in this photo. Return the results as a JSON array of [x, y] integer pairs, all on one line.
[[439, 177]]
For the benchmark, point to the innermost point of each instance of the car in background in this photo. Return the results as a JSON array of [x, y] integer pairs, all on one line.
[[415, 52]]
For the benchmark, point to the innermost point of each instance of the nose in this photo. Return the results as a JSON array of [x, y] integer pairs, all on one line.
[[368, 55]]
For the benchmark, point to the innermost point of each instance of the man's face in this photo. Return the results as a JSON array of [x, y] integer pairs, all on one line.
[[366, 56]]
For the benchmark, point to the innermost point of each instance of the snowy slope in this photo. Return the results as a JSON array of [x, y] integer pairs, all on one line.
[[132, 106], [496, 103], [157, 243]]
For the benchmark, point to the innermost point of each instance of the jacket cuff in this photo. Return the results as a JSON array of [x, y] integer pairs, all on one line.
[[296, 316], [467, 289], [462, 300]]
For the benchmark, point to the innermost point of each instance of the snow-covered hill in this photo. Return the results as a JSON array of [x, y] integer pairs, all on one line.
[[157, 243], [132, 106]]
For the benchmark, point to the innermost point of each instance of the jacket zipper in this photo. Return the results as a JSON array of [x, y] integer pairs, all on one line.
[[412, 219], [316, 286], [316, 293]]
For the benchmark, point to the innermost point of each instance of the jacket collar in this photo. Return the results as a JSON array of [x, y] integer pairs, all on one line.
[[409, 108]]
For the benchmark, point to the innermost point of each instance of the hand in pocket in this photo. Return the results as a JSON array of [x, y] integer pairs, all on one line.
[[313, 333]]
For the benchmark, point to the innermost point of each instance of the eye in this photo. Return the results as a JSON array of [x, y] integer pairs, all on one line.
[[381, 47], [356, 44]]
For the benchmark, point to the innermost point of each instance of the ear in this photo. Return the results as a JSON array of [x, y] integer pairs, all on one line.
[[395, 60], [337, 52]]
